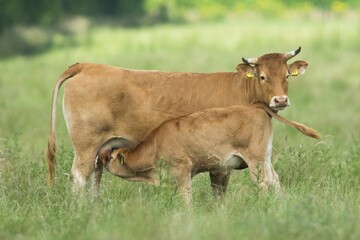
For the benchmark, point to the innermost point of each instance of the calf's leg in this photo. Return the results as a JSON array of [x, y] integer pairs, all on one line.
[[219, 182], [182, 177], [273, 177], [261, 169], [262, 174]]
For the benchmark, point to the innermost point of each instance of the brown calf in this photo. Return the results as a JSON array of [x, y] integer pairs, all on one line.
[[214, 140]]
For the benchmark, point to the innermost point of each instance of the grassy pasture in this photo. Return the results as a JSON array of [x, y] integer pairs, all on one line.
[[320, 179]]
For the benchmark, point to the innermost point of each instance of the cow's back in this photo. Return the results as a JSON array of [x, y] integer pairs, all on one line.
[[104, 101]]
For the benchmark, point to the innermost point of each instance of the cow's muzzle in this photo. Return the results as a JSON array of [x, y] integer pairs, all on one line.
[[279, 102]]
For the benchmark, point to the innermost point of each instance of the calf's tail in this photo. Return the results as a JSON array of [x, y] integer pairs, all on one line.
[[300, 127]]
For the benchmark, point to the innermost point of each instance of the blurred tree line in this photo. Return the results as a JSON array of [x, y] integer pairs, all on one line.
[[31, 26], [47, 13]]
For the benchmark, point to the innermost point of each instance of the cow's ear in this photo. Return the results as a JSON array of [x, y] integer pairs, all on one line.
[[248, 70], [297, 68]]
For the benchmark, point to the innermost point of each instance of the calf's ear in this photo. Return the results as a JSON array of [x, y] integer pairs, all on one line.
[[121, 158], [248, 70], [297, 67]]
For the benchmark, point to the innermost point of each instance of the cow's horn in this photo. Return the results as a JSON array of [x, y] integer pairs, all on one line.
[[291, 54], [249, 60]]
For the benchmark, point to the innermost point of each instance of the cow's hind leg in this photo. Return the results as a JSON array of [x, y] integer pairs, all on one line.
[[219, 182], [82, 171], [95, 187]]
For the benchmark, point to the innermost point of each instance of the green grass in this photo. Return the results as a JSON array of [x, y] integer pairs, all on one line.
[[320, 180]]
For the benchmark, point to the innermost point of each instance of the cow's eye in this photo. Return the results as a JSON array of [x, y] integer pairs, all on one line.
[[287, 77], [263, 78]]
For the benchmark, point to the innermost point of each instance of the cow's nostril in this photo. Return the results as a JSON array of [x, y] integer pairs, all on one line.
[[281, 100]]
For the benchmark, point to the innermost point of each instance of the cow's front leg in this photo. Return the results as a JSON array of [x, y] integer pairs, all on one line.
[[219, 182]]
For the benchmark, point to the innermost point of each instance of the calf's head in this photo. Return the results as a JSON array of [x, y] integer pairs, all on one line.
[[270, 74], [114, 161], [111, 155]]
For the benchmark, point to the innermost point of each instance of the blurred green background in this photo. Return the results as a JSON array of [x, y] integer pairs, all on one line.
[[30, 26], [320, 179]]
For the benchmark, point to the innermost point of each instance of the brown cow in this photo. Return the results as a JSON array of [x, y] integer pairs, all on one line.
[[214, 140], [102, 102]]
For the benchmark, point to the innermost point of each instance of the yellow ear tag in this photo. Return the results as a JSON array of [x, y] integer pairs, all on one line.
[[295, 72], [249, 74]]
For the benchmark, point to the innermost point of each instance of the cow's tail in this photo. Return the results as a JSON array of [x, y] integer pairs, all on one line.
[[51, 149], [301, 127]]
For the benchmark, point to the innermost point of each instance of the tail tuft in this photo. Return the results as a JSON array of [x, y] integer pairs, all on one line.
[[307, 131], [51, 160], [301, 127]]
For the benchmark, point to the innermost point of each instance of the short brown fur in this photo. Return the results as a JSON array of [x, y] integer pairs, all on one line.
[[214, 140], [102, 102]]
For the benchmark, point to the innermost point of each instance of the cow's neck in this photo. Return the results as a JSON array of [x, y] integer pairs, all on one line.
[[248, 86], [199, 93]]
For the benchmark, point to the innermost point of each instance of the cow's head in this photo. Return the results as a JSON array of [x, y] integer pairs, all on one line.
[[271, 73]]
